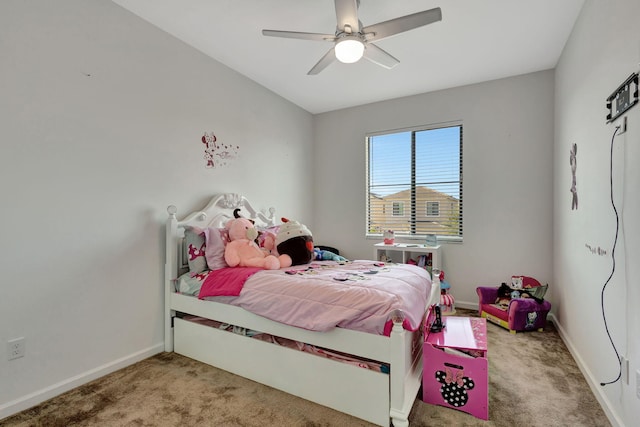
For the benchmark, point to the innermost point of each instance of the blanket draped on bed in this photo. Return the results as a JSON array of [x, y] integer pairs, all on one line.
[[359, 295], [227, 281]]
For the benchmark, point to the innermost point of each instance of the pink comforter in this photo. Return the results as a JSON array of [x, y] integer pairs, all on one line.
[[361, 295]]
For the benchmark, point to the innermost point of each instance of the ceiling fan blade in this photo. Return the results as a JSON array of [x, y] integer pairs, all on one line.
[[379, 56], [404, 23], [299, 35], [324, 62], [347, 14]]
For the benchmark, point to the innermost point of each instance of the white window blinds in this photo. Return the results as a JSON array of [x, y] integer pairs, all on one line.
[[414, 182]]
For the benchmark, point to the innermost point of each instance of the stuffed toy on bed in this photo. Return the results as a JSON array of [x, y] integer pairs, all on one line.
[[295, 240], [242, 250], [324, 255]]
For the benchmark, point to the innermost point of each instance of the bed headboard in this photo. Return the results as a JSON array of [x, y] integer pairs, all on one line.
[[217, 212]]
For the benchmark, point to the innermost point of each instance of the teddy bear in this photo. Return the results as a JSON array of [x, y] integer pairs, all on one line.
[[242, 250]]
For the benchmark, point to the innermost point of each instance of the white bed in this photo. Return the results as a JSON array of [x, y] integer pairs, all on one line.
[[376, 397]]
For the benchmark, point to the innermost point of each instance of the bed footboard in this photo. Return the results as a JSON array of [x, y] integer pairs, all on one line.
[[406, 358]]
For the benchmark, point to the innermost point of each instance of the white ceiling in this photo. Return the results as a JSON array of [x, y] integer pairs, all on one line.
[[477, 40]]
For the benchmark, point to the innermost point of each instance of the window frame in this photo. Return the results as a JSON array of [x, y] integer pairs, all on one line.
[[400, 205], [427, 211], [373, 232]]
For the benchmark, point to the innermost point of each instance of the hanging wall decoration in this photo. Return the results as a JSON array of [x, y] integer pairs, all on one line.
[[574, 164], [217, 154]]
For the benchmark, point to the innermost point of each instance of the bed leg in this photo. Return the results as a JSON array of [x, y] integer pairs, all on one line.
[[170, 274], [168, 331], [400, 422], [399, 360]]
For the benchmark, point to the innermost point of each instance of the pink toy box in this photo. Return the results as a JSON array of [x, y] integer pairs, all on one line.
[[455, 373]]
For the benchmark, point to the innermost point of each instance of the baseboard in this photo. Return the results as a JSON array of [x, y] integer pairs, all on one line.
[[467, 305], [40, 396], [54, 390], [594, 384]]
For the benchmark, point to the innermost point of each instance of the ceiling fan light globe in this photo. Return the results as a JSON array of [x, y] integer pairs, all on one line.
[[349, 50]]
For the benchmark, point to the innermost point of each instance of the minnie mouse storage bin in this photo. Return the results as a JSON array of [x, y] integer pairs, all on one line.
[[455, 373]]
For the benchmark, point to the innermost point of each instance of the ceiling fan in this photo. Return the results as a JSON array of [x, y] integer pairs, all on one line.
[[352, 41]]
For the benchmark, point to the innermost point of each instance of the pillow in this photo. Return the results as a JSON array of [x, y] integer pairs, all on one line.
[[195, 243], [190, 284], [217, 239], [520, 282], [537, 292]]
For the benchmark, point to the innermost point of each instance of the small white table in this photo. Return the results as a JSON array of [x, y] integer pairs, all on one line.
[[407, 250]]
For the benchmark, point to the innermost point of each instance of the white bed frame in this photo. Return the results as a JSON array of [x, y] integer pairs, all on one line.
[[373, 396]]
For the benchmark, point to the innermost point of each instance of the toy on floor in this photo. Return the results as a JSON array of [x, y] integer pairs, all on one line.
[[517, 306], [447, 301]]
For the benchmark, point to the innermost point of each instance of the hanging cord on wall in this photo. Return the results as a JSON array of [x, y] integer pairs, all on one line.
[[613, 266]]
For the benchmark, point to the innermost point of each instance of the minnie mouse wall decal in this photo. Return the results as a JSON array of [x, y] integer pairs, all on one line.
[[217, 154]]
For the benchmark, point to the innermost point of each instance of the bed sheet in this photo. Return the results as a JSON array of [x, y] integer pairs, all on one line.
[[360, 295]]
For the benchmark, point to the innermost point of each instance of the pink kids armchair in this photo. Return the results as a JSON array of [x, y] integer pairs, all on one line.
[[519, 306]]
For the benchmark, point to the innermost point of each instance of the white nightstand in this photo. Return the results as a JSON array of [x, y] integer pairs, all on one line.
[[404, 252]]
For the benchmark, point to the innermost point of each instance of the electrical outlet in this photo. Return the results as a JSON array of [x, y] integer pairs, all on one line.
[[621, 124], [15, 348]]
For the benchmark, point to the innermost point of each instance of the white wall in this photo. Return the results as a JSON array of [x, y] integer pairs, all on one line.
[[508, 137], [101, 116], [603, 50], [100, 120]]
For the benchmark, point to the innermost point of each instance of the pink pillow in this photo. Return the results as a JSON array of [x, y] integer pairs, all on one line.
[[214, 252]]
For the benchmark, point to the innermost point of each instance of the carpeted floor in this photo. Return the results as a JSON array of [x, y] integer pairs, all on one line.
[[533, 381]]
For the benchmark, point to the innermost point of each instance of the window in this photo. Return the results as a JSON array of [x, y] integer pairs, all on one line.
[[414, 182], [433, 209], [398, 209]]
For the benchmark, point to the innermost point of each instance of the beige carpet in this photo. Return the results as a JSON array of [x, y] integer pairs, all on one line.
[[533, 381]]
